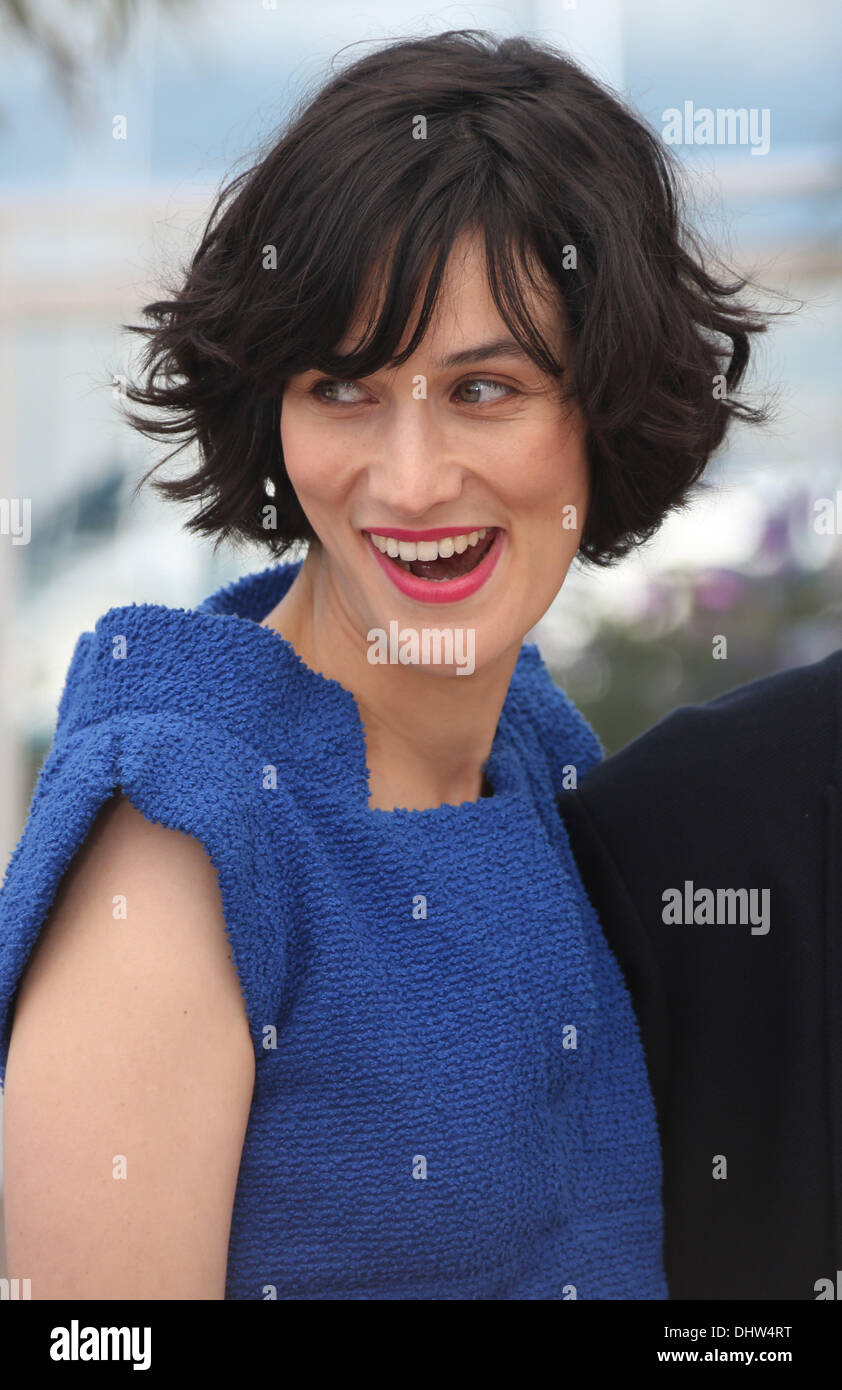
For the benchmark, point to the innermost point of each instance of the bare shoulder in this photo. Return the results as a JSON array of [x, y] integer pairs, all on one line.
[[134, 887], [130, 1046]]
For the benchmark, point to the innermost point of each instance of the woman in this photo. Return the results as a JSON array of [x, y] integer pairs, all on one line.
[[319, 1007]]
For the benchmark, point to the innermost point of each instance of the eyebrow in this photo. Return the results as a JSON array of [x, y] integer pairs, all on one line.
[[498, 347]]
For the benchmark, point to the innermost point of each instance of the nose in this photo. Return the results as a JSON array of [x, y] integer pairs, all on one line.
[[413, 470]]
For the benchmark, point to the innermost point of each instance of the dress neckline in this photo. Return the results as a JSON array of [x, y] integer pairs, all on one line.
[[244, 602], [220, 665]]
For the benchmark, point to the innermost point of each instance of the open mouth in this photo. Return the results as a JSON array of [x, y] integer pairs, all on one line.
[[451, 557]]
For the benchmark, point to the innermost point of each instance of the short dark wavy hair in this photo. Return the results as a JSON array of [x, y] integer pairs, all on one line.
[[521, 144]]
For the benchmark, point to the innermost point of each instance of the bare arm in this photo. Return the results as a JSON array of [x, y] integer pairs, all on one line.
[[130, 1038]]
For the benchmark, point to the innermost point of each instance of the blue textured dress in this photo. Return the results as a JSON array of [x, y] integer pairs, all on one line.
[[451, 1099]]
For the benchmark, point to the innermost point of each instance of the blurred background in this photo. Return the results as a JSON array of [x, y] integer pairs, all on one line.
[[90, 223]]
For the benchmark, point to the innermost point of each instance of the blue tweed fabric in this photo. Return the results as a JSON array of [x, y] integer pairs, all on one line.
[[451, 1098]]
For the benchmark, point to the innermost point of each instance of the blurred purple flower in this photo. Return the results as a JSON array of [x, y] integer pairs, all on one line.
[[718, 590]]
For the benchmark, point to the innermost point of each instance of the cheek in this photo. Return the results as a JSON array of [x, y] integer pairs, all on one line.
[[552, 474], [316, 474], [297, 444], [571, 470]]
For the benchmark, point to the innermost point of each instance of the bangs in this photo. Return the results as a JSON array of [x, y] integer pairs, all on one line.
[[407, 267]]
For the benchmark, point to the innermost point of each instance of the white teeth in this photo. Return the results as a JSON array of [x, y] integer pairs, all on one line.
[[427, 550]]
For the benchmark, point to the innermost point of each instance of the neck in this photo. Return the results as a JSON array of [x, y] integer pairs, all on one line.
[[427, 733]]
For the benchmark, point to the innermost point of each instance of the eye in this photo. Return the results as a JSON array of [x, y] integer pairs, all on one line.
[[476, 381], [332, 391], [328, 390]]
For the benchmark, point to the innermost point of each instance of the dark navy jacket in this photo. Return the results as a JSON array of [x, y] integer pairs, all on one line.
[[742, 1027]]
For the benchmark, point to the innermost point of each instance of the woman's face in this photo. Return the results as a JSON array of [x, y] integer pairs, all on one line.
[[464, 437]]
